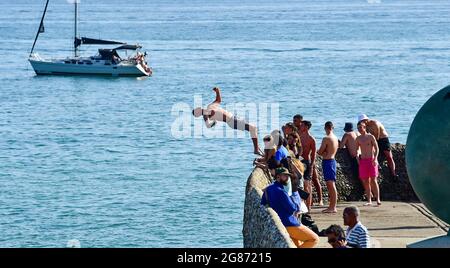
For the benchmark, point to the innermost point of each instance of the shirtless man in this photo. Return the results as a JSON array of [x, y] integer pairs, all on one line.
[[328, 150], [349, 141], [309, 159], [368, 165], [379, 132], [214, 113]]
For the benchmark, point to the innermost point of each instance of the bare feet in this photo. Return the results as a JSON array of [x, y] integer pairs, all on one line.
[[320, 203], [329, 210], [378, 203], [368, 204]]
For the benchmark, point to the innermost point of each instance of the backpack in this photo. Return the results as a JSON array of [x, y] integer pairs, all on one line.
[[309, 222]]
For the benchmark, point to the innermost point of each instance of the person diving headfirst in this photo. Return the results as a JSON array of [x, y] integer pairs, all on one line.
[[214, 112]]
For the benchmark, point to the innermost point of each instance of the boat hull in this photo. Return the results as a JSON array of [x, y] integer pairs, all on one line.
[[61, 68]]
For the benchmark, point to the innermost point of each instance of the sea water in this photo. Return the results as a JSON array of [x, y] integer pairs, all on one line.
[[94, 160]]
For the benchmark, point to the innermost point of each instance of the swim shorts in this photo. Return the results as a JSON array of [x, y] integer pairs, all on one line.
[[238, 123], [367, 169], [308, 169], [329, 169], [384, 144]]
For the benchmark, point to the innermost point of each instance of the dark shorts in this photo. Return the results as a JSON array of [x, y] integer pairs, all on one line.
[[384, 144], [237, 123], [354, 166], [308, 169], [329, 169]]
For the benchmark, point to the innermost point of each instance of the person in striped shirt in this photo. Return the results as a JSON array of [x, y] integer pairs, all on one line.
[[357, 235]]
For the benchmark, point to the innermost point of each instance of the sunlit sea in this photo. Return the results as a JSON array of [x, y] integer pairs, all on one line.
[[94, 159]]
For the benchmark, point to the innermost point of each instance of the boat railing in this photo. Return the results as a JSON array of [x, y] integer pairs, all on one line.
[[35, 56]]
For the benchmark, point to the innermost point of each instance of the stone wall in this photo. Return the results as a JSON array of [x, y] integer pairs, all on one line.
[[262, 226]]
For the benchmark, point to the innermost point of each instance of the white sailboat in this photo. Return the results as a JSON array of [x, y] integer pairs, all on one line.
[[106, 62]]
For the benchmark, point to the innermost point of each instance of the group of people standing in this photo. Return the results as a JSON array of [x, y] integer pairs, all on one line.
[[284, 150], [290, 155], [364, 149]]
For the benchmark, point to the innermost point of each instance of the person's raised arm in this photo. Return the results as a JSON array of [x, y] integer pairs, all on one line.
[[313, 152], [375, 146], [323, 147], [377, 130], [218, 97], [358, 146], [299, 150], [343, 142]]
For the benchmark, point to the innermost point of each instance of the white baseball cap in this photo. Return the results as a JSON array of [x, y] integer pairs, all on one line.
[[362, 117], [269, 145]]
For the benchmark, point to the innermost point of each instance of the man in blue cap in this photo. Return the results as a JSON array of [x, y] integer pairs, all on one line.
[[287, 209], [349, 141]]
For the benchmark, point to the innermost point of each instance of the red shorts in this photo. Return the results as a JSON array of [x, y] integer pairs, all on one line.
[[367, 169]]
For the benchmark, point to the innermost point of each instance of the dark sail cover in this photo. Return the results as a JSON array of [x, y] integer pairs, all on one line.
[[42, 28], [91, 41], [128, 47]]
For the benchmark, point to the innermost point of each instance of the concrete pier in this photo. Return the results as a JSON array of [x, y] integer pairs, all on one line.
[[391, 225]]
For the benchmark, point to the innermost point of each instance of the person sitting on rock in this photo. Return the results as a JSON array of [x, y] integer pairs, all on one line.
[[277, 198], [357, 235], [268, 162], [282, 152], [215, 113]]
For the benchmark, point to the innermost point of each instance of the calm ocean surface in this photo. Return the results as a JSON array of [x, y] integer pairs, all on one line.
[[93, 159]]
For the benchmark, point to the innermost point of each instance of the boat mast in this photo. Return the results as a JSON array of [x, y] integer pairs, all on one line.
[[75, 47], [41, 28]]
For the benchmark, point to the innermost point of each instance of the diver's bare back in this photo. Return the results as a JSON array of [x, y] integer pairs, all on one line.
[[377, 129], [332, 144]]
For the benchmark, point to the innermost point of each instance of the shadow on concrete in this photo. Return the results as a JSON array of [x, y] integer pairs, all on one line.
[[402, 228]]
